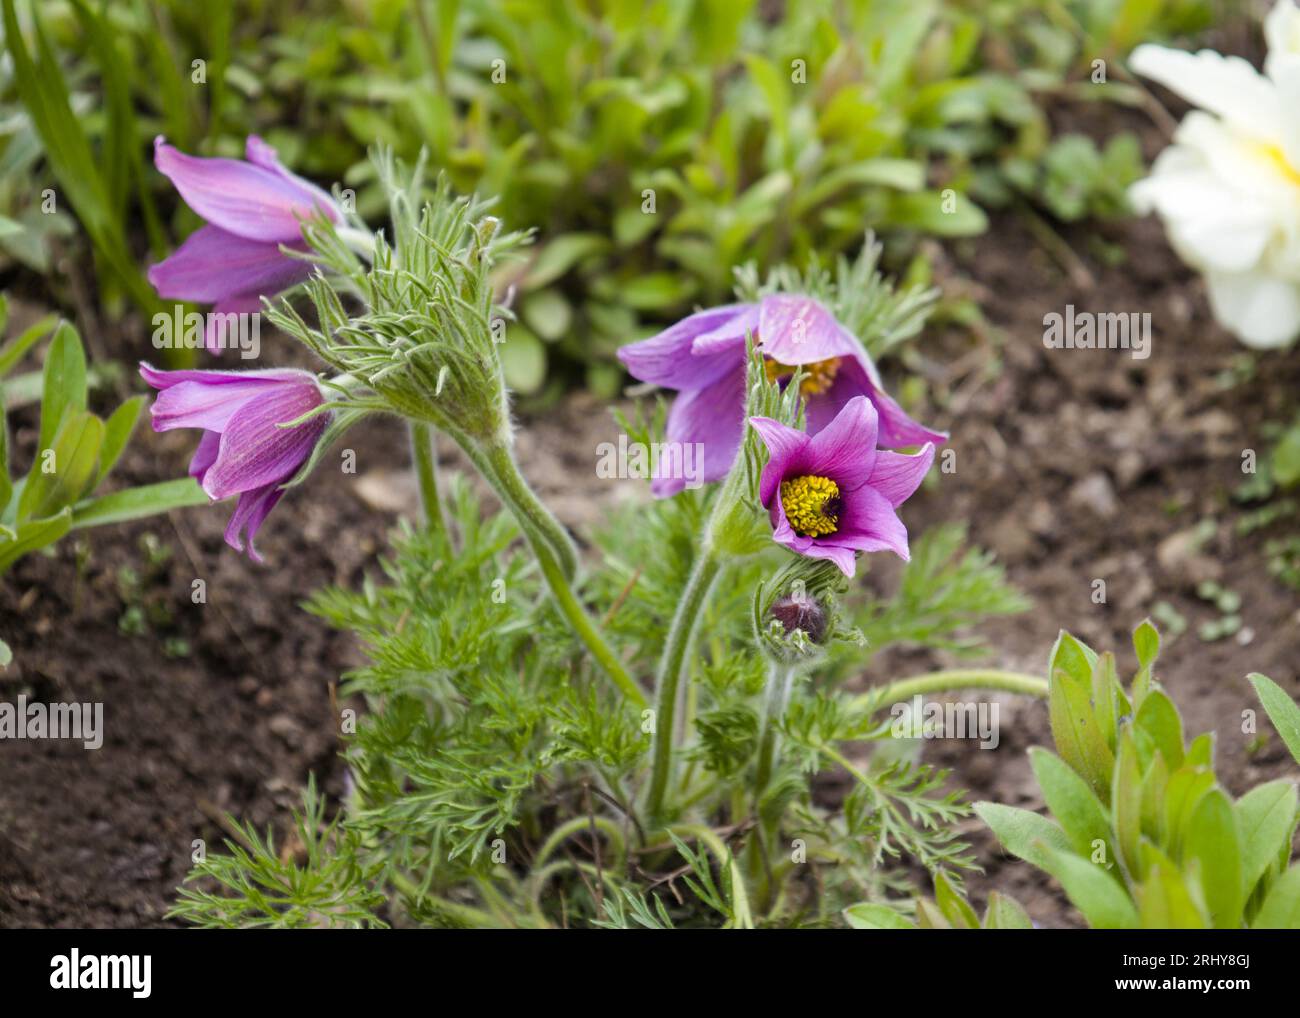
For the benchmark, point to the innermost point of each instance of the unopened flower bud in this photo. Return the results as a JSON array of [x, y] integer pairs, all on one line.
[[800, 613]]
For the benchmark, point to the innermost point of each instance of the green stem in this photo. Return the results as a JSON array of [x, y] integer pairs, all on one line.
[[580, 825], [498, 466], [425, 459], [467, 914], [672, 665], [546, 535], [953, 678], [779, 680]]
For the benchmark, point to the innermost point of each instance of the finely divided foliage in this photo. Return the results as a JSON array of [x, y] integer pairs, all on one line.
[[509, 768], [666, 721]]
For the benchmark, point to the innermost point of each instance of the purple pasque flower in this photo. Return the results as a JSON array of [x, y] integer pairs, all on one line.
[[251, 208], [243, 451], [834, 493], [703, 357]]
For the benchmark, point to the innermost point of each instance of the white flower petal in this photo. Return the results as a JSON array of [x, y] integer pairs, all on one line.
[[1227, 86], [1262, 311]]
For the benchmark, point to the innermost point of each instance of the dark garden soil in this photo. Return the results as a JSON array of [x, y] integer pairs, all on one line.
[[1073, 466]]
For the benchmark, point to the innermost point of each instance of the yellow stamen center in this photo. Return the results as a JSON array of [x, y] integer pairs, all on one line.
[[812, 505], [818, 376]]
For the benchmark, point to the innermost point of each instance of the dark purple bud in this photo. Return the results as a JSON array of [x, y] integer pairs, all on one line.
[[800, 613]]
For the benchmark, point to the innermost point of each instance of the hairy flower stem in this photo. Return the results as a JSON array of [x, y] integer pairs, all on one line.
[[672, 666], [945, 681], [555, 554], [425, 459], [779, 681]]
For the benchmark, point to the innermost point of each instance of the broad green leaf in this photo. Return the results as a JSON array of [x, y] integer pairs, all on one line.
[[942, 213], [1214, 842], [1005, 913], [1091, 890], [900, 174], [13, 351], [562, 254], [32, 536], [6, 655], [1104, 683], [1079, 739], [63, 382], [1281, 909], [1200, 751], [929, 917], [137, 503], [1154, 783], [1146, 643], [1024, 834], [868, 915], [1073, 804], [1158, 717], [75, 458], [1186, 787], [1165, 902], [1126, 804], [523, 360], [117, 433], [1265, 816], [1281, 710], [954, 907]]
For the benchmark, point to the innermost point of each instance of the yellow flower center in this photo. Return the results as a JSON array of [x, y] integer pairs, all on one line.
[[812, 505], [818, 376], [1275, 157]]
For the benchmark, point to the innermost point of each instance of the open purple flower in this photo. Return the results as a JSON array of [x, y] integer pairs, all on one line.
[[703, 357], [252, 208], [243, 451], [834, 493]]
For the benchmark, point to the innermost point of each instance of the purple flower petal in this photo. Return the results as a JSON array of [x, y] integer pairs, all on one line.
[[161, 379], [798, 330], [243, 198], [256, 451], [868, 522], [842, 557], [895, 428], [197, 405], [786, 453], [667, 360], [728, 337], [250, 511], [208, 399], [714, 418], [259, 153], [214, 264], [897, 476], [205, 455], [845, 450]]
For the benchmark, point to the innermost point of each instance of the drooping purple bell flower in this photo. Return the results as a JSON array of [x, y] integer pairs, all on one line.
[[252, 208], [703, 357], [243, 451], [833, 494]]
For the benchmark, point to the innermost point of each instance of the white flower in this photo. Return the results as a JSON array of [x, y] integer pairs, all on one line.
[[1228, 188]]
